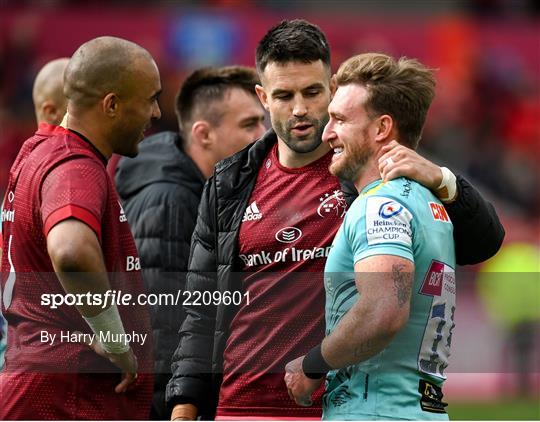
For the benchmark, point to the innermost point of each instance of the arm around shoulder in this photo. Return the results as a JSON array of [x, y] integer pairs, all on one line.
[[478, 233]]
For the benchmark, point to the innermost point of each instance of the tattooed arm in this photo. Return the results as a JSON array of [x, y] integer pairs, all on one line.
[[384, 283]]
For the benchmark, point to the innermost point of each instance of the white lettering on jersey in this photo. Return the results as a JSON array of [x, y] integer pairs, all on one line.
[[8, 215], [122, 217], [285, 255], [252, 213], [387, 221], [133, 263]]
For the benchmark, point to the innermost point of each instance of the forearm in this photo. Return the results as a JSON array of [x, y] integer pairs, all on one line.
[[78, 262], [384, 286], [361, 334]]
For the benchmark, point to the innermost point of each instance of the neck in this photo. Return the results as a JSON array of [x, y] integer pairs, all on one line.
[[91, 132], [291, 159], [370, 174], [200, 157]]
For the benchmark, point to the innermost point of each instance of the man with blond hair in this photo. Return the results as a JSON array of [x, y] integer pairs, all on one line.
[[389, 278]]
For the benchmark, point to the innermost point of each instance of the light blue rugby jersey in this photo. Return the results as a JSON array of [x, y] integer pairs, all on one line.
[[403, 381]]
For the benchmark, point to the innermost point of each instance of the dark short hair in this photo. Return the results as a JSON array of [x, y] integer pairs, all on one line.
[[207, 86], [290, 41], [403, 89]]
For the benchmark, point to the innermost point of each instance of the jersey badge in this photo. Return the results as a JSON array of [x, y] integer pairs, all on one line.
[[332, 204]]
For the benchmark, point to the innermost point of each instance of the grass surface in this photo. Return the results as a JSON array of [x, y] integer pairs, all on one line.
[[522, 409]]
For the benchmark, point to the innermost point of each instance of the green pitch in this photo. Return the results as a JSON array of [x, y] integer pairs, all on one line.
[[519, 409]]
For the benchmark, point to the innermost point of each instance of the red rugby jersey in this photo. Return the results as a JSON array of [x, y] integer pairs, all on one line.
[[288, 226], [59, 175]]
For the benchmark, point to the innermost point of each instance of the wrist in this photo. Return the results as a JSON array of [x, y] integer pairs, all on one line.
[[447, 190], [108, 324], [184, 411], [314, 365]]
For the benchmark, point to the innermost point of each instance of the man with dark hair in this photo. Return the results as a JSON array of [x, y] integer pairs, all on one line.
[[390, 276], [270, 214], [65, 236], [218, 114]]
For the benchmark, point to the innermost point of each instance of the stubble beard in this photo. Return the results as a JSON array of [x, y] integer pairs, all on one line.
[[301, 145], [353, 164]]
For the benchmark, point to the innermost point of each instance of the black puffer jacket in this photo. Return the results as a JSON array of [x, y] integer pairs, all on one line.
[[160, 191], [197, 363]]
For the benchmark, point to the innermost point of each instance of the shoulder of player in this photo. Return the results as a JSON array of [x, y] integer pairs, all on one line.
[[61, 147], [406, 191]]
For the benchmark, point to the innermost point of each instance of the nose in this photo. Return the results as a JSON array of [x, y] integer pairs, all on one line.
[[328, 133], [156, 112], [299, 107]]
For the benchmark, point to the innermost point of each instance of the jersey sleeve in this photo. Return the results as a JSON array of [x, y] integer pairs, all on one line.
[[384, 229], [74, 189]]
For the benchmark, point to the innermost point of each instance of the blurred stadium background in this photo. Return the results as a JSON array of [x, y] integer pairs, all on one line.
[[484, 123]]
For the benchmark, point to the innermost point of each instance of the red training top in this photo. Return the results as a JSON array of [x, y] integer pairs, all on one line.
[[57, 175]]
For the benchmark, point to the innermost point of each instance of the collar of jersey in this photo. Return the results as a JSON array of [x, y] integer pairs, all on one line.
[[373, 187], [313, 164]]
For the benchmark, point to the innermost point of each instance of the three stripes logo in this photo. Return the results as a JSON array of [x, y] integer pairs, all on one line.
[[252, 213]]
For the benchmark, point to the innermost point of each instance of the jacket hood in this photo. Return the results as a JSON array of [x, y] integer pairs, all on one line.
[[160, 159]]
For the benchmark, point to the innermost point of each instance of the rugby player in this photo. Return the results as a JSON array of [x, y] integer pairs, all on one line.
[[50, 105], [389, 277], [266, 223], [65, 233]]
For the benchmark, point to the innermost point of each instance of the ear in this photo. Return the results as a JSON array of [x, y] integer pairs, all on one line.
[[49, 111], [263, 98], [333, 86], [201, 134], [110, 104], [384, 128]]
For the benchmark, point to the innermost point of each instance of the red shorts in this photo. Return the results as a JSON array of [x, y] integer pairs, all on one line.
[[39, 396]]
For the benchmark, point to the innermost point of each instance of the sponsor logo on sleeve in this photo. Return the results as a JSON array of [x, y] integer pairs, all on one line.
[[387, 221], [439, 212], [252, 213], [438, 276]]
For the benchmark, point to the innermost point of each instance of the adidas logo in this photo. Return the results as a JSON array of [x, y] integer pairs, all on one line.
[[252, 213], [122, 217]]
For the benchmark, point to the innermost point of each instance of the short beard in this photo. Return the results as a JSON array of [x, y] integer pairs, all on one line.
[[301, 145], [352, 167]]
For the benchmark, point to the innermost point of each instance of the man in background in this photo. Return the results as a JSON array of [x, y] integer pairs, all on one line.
[[65, 233], [218, 114], [266, 223], [50, 105]]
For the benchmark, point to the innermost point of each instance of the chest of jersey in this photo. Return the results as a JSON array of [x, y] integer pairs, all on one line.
[[291, 217]]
